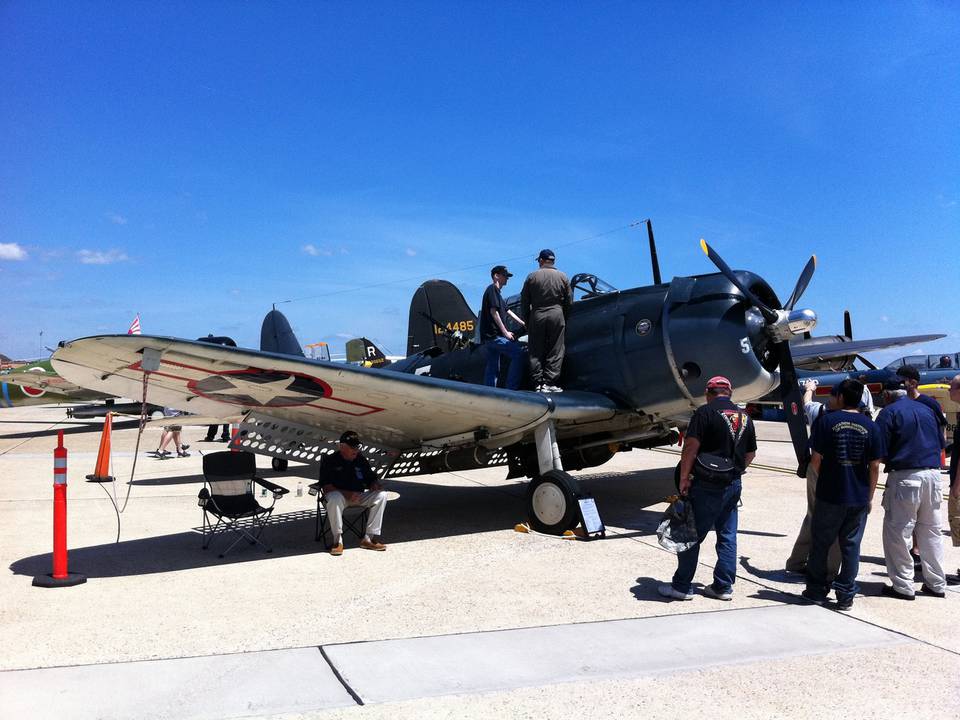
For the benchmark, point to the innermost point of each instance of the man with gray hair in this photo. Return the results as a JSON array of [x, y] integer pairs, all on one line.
[[912, 497]]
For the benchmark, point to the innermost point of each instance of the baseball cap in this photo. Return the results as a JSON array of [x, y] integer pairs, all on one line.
[[718, 381], [501, 269], [546, 254], [909, 372], [350, 438], [893, 385]]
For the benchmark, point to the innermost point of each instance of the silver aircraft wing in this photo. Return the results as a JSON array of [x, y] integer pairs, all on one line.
[[391, 409]]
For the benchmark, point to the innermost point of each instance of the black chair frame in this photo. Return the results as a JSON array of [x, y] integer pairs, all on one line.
[[228, 496], [356, 522]]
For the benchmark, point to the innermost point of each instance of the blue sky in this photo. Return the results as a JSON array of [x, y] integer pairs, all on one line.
[[196, 162]]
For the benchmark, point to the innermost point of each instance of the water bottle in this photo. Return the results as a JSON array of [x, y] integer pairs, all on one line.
[[299, 489]]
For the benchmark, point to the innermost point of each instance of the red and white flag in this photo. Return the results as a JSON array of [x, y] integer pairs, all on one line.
[[134, 326]]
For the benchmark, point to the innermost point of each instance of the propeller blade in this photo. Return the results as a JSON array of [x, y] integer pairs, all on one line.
[[847, 324], [802, 282], [768, 314], [792, 400], [866, 362]]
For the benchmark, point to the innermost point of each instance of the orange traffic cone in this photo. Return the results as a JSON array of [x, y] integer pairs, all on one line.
[[101, 472]]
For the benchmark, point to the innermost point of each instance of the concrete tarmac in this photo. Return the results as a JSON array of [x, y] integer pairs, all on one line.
[[462, 616]]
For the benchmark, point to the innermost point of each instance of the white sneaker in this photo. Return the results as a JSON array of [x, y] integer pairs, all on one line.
[[667, 591], [553, 388], [711, 592]]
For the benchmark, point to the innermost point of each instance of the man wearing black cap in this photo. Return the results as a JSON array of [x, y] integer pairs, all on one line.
[[545, 301], [910, 377], [911, 500], [496, 338], [347, 479]]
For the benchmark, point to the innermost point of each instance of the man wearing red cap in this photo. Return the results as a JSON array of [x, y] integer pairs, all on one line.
[[720, 435]]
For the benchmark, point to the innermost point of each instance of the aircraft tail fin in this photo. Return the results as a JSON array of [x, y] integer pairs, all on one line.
[[439, 315], [362, 350], [277, 336]]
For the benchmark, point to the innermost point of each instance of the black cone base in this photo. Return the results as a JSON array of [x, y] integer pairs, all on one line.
[[98, 479], [49, 581]]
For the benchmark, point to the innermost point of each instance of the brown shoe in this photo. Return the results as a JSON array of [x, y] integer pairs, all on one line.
[[337, 549], [372, 545]]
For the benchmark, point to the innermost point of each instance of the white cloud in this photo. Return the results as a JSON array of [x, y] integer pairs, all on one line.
[[100, 257], [12, 251], [410, 252], [884, 318], [116, 218], [313, 250]]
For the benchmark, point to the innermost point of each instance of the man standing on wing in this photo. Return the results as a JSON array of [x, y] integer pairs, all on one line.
[[496, 338], [545, 301]]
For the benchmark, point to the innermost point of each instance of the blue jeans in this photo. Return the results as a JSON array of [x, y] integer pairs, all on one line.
[[714, 508], [513, 350], [843, 523]]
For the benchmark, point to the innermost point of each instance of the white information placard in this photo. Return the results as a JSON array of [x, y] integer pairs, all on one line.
[[591, 516]]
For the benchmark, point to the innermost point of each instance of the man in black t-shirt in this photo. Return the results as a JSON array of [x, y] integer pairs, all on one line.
[[347, 479], [496, 338], [722, 429]]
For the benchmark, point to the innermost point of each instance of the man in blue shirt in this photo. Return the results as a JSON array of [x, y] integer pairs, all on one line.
[[846, 449], [496, 338], [911, 501]]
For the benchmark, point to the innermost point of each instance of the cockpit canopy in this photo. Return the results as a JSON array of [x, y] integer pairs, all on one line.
[[586, 286], [937, 361]]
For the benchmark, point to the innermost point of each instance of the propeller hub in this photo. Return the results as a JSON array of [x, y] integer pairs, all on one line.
[[790, 323]]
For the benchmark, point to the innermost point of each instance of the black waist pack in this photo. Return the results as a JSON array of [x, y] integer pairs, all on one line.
[[714, 469]]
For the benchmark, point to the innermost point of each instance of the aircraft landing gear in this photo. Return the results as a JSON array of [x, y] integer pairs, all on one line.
[[552, 502], [279, 464]]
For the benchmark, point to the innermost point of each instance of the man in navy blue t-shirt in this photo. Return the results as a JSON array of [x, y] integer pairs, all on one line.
[[846, 450]]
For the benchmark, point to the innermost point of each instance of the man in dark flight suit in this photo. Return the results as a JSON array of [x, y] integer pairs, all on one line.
[[544, 304]]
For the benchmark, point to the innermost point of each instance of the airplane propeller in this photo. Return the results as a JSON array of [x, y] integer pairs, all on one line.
[[781, 326]]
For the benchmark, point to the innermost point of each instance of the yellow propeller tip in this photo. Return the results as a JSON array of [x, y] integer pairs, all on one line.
[[703, 246]]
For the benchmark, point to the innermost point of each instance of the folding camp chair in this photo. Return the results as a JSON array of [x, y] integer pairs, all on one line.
[[227, 495], [354, 517]]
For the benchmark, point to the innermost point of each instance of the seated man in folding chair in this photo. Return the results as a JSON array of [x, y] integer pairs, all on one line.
[[347, 479]]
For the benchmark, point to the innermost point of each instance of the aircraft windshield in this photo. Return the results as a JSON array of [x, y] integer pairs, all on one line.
[[587, 286]]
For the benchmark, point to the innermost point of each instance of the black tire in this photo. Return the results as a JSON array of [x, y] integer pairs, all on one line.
[[552, 502], [279, 464]]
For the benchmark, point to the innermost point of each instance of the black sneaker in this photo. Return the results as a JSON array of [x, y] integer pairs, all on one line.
[[814, 597], [845, 604], [927, 590], [889, 592]]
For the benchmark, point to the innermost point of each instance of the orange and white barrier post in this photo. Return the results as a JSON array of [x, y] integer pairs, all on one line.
[[60, 577]]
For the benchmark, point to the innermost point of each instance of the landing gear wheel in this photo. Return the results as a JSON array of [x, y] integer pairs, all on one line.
[[279, 464], [552, 502]]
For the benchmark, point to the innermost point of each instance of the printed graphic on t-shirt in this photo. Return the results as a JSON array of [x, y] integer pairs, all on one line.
[[849, 442], [736, 424]]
